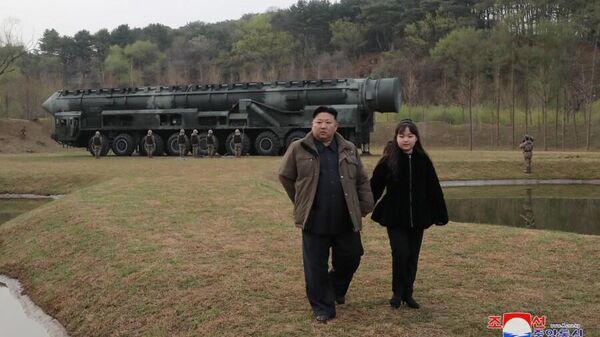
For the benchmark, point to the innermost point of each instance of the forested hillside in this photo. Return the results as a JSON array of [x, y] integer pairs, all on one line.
[[507, 58]]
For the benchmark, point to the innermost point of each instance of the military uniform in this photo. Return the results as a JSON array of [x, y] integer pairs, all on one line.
[[150, 145], [195, 140], [527, 147], [237, 143], [182, 141], [210, 144], [97, 145]]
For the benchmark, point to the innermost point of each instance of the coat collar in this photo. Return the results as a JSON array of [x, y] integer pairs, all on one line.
[[308, 142]]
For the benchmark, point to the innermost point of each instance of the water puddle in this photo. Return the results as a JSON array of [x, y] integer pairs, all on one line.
[[11, 208], [20, 317], [569, 208]]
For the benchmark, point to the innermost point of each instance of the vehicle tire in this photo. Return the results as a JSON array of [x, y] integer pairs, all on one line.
[[173, 145], [267, 143], [159, 148], [105, 146], [123, 145], [293, 136], [245, 144], [203, 147]]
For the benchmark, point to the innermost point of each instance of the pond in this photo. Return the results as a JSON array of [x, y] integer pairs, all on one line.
[[569, 208], [11, 208], [13, 319], [19, 317]]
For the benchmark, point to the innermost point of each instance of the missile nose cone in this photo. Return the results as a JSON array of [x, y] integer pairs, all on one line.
[[48, 104]]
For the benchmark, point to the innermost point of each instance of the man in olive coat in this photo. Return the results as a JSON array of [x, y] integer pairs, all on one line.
[[324, 177]]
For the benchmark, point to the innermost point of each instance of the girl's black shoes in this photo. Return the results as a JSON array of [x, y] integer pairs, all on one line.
[[395, 302]]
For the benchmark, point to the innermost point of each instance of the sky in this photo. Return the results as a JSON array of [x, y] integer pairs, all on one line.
[[68, 17]]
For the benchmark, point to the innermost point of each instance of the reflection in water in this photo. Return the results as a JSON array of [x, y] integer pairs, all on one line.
[[527, 212], [526, 207]]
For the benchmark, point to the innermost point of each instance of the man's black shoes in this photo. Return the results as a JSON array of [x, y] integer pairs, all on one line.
[[322, 319], [411, 303], [340, 300]]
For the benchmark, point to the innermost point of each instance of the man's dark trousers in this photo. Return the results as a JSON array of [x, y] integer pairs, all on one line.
[[323, 286]]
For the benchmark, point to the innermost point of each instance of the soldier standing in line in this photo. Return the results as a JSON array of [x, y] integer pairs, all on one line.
[[182, 140], [237, 143], [195, 140], [210, 143], [527, 147], [97, 144], [150, 144]]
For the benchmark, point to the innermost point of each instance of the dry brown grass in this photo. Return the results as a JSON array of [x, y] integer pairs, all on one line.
[[206, 247], [37, 136]]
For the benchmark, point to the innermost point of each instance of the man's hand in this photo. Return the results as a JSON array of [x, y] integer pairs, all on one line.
[[299, 225]]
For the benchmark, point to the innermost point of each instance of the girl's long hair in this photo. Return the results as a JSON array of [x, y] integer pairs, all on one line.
[[392, 152]]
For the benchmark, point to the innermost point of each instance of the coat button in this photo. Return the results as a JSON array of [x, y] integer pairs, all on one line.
[[341, 177]]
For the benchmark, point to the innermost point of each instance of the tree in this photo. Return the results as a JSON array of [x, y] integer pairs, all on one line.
[[118, 66], [50, 43], [347, 36], [146, 60], [11, 48], [158, 34], [552, 56], [463, 56], [192, 56], [256, 43]]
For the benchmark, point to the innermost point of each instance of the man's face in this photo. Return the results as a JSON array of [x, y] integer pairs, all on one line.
[[324, 127]]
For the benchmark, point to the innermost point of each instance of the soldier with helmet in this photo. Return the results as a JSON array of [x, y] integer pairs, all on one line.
[[182, 140], [527, 147], [237, 143], [195, 141], [210, 143], [97, 144], [149, 143]]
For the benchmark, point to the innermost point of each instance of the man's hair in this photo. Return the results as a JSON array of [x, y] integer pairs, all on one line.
[[329, 110]]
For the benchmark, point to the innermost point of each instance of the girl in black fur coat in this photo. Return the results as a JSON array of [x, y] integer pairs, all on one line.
[[413, 201]]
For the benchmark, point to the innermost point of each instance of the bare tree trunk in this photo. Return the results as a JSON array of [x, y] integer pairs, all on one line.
[[575, 129], [556, 122], [526, 108], [564, 121], [544, 108], [470, 119], [512, 111], [497, 106], [591, 99]]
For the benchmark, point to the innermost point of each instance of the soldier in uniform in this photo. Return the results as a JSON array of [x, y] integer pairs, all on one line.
[[527, 147], [182, 141], [237, 143], [150, 144], [210, 143], [97, 144], [195, 140]]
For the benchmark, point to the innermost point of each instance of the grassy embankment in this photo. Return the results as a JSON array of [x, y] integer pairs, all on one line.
[[164, 247]]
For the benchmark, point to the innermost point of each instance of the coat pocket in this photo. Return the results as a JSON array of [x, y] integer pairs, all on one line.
[[305, 166]]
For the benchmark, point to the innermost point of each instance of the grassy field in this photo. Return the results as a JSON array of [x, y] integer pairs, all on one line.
[[206, 247]]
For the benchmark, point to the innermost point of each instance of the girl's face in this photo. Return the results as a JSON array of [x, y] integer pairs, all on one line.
[[406, 140]]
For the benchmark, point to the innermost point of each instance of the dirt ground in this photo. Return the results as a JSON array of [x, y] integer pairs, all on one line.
[[36, 138]]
